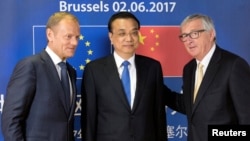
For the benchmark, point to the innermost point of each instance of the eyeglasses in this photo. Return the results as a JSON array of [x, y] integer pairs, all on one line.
[[192, 35]]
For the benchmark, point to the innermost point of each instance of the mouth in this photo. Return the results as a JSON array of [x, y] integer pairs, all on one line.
[[71, 48], [128, 45], [192, 47]]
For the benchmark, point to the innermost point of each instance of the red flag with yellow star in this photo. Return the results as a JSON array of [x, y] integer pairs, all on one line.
[[162, 44]]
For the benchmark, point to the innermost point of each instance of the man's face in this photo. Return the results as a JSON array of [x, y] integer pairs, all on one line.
[[63, 38], [124, 37], [203, 40]]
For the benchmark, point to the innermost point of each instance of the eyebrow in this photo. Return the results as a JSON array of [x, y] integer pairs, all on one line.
[[134, 29]]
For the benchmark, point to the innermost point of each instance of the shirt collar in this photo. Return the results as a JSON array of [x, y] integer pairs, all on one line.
[[55, 58], [119, 60], [205, 61]]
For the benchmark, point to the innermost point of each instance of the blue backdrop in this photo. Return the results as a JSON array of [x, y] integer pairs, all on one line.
[[22, 33]]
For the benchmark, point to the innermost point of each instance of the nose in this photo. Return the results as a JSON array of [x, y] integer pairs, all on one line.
[[75, 41], [189, 40], [129, 37]]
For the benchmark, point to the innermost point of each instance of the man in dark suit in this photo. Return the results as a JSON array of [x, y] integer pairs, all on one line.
[[108, 114], [223, 97], [37, 108]]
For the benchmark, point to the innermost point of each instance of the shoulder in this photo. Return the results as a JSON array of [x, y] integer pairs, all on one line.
[[144, 63], [190, 65], [146, 59], [98, 62], [28, 60], [230, 58]]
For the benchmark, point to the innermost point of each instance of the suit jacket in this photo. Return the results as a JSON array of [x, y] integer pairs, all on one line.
[[34, 108], [223, 96], [107, 114]]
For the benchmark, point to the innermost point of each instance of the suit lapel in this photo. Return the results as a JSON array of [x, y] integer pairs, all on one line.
[[142, 73], [209, 76], [189, 80], [52, 72], [72, 75], [110, 70]]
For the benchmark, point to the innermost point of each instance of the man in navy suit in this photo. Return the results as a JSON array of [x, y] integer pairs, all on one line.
[[36, 107], [108, 114], [223, 97]]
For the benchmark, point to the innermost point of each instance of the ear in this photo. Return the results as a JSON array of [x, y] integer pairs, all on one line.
[[49, 34], [212, 35], [110, 37]]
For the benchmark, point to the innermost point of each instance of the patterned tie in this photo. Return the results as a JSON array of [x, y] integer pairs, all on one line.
[[126, 80], [65, 82], [199, 72]]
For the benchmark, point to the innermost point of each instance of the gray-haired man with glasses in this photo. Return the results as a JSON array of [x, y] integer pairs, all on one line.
[[223, 94]]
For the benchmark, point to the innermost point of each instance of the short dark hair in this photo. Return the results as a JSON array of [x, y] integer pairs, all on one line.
[[122, 15]]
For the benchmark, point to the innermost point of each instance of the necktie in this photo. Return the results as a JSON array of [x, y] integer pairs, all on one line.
[[126, 80], [65, 82], [199, 72]]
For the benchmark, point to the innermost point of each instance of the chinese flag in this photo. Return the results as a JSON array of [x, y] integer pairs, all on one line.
[[162, 44]]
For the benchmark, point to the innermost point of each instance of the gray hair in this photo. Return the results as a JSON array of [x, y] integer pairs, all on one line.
[[207, 22]]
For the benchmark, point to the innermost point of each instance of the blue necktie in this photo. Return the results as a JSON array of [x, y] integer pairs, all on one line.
[[126, 80], [65, 82]]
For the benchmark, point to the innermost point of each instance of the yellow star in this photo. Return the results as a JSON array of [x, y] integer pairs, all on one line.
[[152, 31], [152, 49], [90, 52], [81, 67], [87, 60], [81, 37], [157, 43], [141, 38], [87, 44], [157, 36]]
